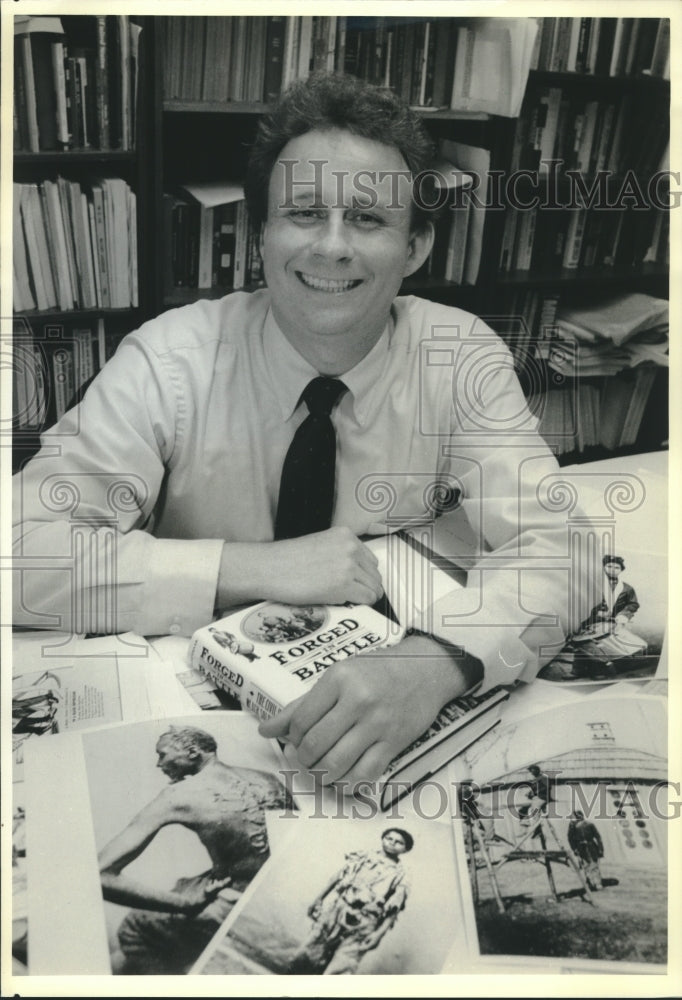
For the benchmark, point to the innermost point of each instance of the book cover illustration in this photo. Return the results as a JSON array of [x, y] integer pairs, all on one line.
[[268, 654]]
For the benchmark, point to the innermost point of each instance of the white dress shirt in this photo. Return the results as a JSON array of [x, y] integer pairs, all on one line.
[[179, 443]]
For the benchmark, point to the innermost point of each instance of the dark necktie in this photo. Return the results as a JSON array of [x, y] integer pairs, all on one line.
[[306, 492]]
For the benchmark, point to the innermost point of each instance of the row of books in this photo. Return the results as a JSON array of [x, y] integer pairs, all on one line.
[[48, 371], [75, 82], [583, 415], [583, 133], [605, 46], [526, 317], [478, 65], [74, 248], [211, 242], [547, 241]]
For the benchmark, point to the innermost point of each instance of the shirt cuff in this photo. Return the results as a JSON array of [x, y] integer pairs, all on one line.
[[180, 586]]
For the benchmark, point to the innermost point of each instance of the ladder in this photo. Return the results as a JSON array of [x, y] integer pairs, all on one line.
[[540, 829]]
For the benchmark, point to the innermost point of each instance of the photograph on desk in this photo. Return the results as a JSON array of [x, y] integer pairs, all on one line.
[[561, 827], [358, 897], [623, 636], [164, 830]]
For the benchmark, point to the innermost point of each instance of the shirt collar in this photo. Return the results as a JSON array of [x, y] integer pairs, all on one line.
[[290, 372]]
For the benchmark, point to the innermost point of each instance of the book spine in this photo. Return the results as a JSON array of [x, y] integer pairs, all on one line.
[[205, 264], [32, 248], [64, 382], [274, 54], [208, 657], [133, 282], [240, 246], [63, 135], [30, 90], [70, 238], [46, 101], [102, 255], [574, 238], [102, 83], [84, 366], [525, 240], [42, 389], [226, 246]]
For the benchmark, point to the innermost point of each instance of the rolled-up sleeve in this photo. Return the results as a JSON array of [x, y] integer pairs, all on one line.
[[530, 554]]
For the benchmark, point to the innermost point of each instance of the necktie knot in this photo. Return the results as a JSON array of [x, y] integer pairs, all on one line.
[[322, 393]]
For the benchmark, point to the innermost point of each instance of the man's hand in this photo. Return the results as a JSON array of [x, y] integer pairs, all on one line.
[[327, 567], [195, 897], [364, 711]]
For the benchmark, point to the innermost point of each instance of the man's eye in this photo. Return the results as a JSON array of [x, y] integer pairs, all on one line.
[[305, 214], [365, 219]]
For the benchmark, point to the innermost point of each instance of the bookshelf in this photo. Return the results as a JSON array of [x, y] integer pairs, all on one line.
[[586, 75], [81, 214]]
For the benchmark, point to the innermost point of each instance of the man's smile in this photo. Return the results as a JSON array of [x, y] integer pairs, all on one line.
[[329, 285]]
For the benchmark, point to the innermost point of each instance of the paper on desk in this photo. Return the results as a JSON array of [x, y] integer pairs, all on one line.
[[65, 683], [85, 788]]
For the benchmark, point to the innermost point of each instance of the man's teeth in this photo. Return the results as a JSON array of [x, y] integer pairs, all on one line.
[[327, 284]]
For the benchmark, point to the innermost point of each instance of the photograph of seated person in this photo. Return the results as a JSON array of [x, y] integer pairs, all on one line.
[[180, 444]]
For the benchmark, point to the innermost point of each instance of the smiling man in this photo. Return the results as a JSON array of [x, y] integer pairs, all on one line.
[[175, 493]]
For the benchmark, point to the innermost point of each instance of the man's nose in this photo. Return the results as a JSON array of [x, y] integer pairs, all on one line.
[[333, 238]]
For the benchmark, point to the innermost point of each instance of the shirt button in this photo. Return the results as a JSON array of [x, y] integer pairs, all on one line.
[[174, 629]]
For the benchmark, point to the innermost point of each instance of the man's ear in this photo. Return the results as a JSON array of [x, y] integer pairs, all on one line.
[[419, 248]]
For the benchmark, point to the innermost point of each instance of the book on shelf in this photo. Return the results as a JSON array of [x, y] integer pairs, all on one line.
[[79, 247], [432, 62], [51, 370], [209, 238], [473, 166], [76, 81], [604, 46]]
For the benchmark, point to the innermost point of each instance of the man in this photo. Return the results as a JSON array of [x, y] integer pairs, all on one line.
[[174, 459], [585, 842], [356, 908], [619, 601], [225, 807], [540, 795]]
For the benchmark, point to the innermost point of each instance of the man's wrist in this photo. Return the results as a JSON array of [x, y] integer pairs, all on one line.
[[241, 575]]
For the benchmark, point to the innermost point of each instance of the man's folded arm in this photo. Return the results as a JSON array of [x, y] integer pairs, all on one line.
[[82, 559], [530, 554]]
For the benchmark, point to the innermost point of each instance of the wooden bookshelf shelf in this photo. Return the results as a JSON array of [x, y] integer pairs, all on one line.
[[55, 315], [67, 156], [550, 78], [182, 106], [570, 276]]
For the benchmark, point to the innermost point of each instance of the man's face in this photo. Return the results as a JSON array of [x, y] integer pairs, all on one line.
[[393, 844], [337, 242], [175, 761], [612, 570]]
